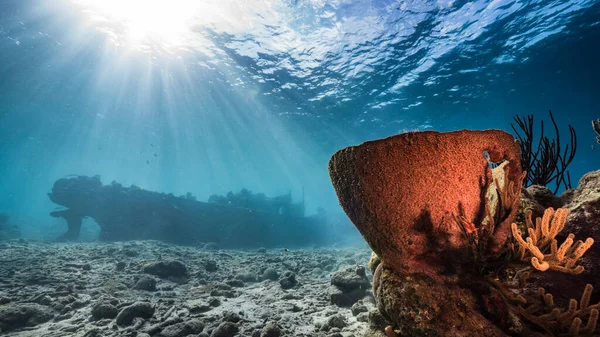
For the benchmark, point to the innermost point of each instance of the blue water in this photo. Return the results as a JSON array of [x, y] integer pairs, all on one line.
[[259, 94]]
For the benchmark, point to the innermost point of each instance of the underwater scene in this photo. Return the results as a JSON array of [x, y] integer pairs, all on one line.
[[326, 168]]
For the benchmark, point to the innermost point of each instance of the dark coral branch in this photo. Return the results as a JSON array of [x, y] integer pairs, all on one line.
[[544, 162]]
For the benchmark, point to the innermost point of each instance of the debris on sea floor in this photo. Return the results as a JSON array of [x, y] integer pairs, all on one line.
[[148, 288]]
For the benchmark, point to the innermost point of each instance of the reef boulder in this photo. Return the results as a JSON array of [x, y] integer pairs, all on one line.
[[348, 286], [23, 315], [417, 305], [137, 309], [166, 269]]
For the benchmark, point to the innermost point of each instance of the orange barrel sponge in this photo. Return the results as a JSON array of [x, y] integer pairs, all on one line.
[[401, 192]]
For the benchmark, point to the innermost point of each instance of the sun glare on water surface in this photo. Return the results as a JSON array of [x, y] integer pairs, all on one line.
[[167, 21]]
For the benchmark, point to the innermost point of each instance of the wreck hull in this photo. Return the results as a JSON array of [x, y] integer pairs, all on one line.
[[129, 213]]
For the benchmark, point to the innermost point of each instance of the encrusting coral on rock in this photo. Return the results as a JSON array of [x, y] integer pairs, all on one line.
[[456, 251]]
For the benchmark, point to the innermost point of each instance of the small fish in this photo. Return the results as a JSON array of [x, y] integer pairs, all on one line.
[[152, 145], [156, 155], [147, 162]]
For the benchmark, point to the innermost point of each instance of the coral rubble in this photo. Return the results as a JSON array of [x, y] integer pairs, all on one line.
[[46, 290]]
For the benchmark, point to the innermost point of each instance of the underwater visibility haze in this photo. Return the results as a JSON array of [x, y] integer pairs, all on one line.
[[283, 167]]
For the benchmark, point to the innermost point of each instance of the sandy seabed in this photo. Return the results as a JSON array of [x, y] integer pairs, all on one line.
[[149, 288]]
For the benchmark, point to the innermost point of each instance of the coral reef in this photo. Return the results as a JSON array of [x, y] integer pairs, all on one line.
[[583, 221], [545, 163], [541, 252], [496, 272], [541, 247]]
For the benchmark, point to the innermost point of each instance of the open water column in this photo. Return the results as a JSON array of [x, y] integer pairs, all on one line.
[[271, 168]]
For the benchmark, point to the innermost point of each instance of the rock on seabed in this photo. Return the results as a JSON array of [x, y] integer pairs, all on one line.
[[45, 291]]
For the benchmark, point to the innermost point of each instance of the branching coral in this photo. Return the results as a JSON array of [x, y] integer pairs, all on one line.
[[544, 314], [541, 249], [541, 246], [546, 162], [541, 252]]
